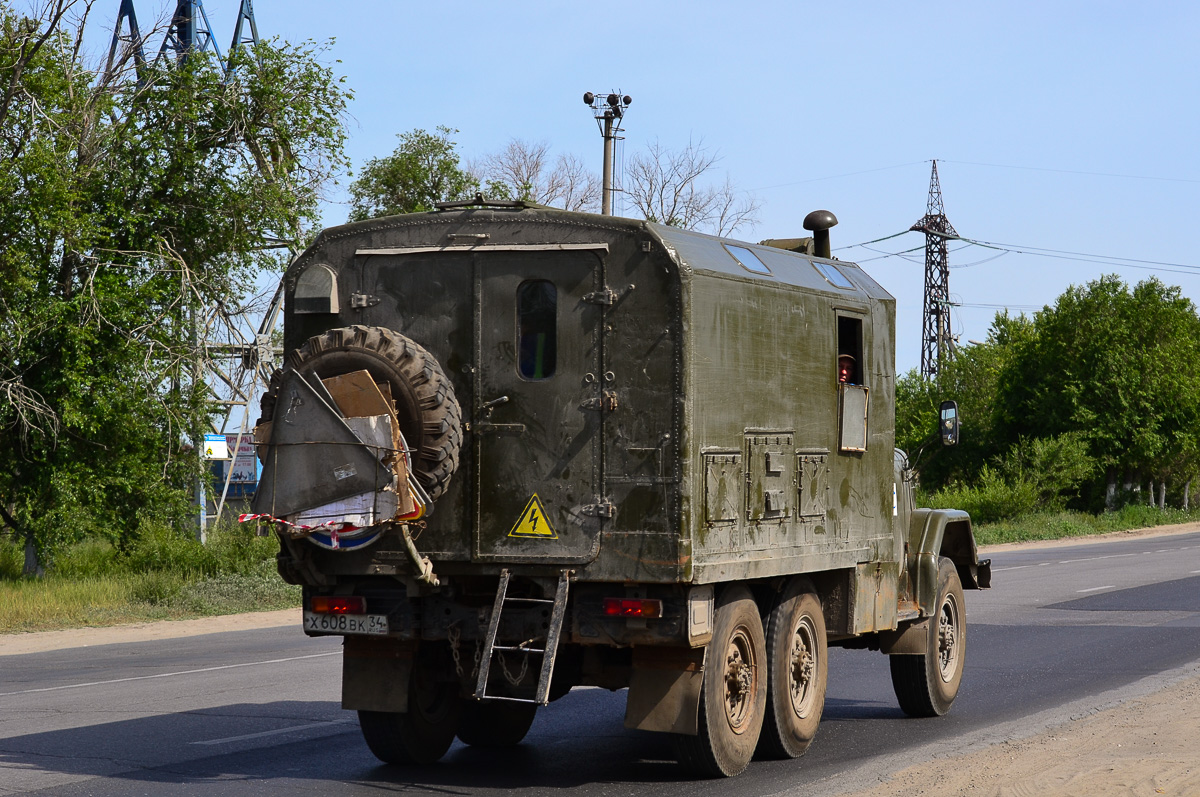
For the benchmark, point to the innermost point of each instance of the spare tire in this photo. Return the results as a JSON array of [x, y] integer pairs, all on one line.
[[426, 408]]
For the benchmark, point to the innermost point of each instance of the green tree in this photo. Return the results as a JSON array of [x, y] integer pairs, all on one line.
[[1120, 367], [971, 379], [127, 206], [422, 171]]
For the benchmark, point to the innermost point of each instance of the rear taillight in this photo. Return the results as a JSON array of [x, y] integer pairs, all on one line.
[[338, 604], [632, 607]]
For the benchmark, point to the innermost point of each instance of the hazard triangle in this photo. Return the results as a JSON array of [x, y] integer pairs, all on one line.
[[533, 522]]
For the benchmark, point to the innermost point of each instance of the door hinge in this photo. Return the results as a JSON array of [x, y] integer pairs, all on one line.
[[606, 402], [360, 300], [606, 297], [603, 509]]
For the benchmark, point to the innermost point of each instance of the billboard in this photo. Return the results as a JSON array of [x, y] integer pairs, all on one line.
[[245, 464]]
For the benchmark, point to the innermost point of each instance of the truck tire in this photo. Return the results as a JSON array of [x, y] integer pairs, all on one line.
[[927, 684], [495, 724], [734, 694], [798, 667], [428, 412], [424, 733]]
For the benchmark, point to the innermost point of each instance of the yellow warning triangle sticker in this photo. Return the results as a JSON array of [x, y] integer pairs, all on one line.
[[533, 522]]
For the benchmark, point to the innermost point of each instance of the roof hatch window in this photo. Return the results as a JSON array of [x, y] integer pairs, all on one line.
[[835, 278], [537, 329], [747, 259]]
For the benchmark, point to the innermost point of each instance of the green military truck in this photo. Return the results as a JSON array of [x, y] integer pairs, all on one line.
[[514, 449]]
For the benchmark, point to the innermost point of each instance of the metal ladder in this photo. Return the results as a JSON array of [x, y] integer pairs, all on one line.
[[548, 653]]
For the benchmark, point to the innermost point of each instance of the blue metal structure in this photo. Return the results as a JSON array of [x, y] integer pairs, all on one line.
[[133, 40], [245, 14], [190, 31]]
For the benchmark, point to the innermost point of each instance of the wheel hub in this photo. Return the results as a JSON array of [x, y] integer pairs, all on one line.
[[948, 639], [802, 671], [740, 677]]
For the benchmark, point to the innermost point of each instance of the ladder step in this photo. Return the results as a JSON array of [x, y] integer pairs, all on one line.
[[518, 649], [548, 653], [511, 699]]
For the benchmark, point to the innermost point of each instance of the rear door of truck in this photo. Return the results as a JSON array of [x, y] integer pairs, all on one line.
[[538, 414]]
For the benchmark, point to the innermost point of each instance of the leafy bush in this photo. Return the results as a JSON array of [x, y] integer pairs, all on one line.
[[157, 588], [12, 559], [1034, 475], [993, 498], [161, 548], [87, 559]]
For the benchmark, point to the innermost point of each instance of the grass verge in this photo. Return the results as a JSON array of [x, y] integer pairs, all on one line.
[[1067, 524], [166, 576]]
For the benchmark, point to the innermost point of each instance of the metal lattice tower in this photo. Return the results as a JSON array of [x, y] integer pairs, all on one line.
[[189, 31], [240, 35], [936, 343], [236, 355], [133, 42]]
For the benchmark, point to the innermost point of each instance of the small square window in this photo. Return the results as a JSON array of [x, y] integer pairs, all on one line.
[[833, 276], [747, 259]]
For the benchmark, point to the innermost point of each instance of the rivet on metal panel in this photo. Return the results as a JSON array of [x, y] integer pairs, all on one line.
[[589, 378], [609, 376]]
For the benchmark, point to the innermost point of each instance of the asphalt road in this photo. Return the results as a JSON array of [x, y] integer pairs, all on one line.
[[257, 713]]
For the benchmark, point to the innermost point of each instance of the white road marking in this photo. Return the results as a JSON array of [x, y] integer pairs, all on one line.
[[1091, 558], [1099, 558], [169, 674], [1094, 589], [276, 732]]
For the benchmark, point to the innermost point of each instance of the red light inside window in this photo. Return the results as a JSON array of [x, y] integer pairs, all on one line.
[[632, 607], [335, 604]]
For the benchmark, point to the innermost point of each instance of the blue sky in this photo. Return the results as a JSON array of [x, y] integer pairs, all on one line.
[[1066, 126]]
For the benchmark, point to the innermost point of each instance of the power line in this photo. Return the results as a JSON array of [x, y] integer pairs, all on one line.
[[839, 176], [1072, 171], [1037, 251]]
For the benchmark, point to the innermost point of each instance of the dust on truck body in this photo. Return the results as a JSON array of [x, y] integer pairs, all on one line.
[[641, 467]]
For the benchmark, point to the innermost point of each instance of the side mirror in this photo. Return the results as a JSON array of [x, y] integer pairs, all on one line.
[[948, 426]]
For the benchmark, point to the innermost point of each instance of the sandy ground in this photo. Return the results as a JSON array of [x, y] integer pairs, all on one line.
[[41, 641], [1145, 746], [1148, 744]]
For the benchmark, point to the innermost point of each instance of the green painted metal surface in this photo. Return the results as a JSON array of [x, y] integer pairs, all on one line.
[[693, 427]]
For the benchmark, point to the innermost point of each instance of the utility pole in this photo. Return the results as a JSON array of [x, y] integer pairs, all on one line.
[[609, 111], [937, 346]]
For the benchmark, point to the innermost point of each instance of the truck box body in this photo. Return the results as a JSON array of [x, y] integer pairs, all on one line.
[[646, 413]]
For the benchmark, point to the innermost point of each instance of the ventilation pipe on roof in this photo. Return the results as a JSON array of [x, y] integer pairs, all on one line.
[[819, 222]]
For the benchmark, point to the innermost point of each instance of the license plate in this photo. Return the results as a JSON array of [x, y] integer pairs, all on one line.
[[372, 624]]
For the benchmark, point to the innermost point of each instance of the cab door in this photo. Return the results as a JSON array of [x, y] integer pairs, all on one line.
[[537, 417]]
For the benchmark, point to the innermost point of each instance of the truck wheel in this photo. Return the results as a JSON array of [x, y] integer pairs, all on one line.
[[734, 694], [424, 733], [798, 663], [426, 408], [926, 685], [495, 724]]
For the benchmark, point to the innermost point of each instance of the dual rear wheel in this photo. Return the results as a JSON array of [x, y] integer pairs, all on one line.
[[764, 684], [765, 678]]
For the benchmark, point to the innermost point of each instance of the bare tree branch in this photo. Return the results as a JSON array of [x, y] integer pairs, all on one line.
[[664, 185], [523, 170]]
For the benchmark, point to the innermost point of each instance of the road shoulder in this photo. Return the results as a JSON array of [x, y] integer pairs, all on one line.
[[42, 641]]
